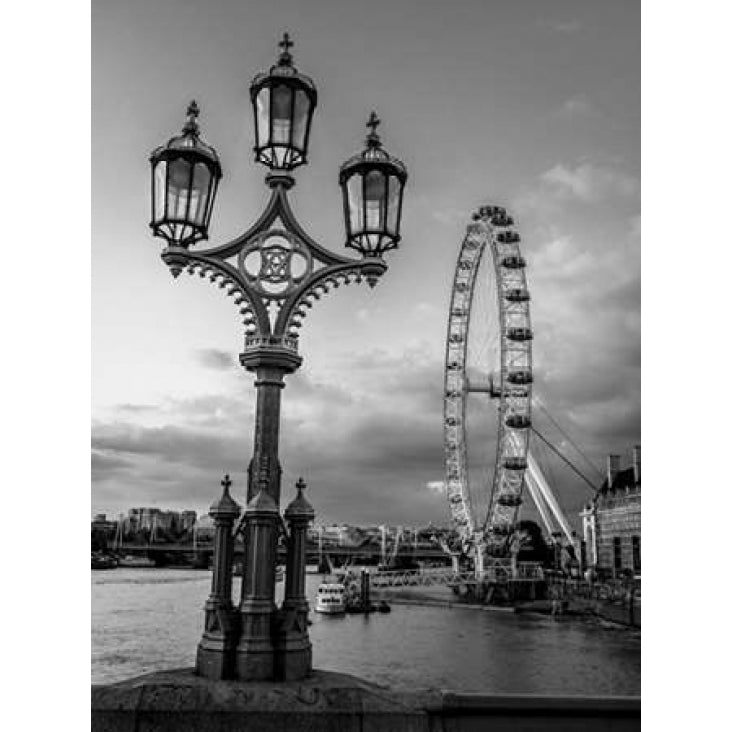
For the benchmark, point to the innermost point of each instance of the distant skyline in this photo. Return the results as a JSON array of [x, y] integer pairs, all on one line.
[[534, 105]]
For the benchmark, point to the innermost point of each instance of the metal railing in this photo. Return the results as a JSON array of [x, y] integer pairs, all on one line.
[[499, 571], [621, 591], [419, 578]]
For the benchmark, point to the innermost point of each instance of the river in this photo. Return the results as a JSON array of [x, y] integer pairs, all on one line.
[[147, 620]]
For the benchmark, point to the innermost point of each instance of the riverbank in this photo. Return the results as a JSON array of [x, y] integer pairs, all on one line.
[[608, 612]]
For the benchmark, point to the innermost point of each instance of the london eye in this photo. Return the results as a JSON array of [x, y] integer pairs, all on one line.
[[488, 371]]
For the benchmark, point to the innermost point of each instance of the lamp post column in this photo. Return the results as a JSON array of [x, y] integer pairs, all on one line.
[[255, 653], [294, 656], [215, 656], [270, 365]]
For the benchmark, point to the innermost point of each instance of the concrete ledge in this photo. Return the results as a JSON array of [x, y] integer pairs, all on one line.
[[180, 701], [524, 713]]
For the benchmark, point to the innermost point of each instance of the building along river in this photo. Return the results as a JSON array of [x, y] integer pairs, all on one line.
[[147, 620]]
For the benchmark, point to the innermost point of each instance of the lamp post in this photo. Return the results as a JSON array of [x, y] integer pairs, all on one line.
[[275, 272]]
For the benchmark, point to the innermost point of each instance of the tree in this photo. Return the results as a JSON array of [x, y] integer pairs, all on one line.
[[532, 547]]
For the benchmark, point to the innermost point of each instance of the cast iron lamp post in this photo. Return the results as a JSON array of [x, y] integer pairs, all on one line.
[[275, 271]]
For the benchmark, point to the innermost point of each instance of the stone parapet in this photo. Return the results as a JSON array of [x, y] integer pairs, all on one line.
[[180, 701]]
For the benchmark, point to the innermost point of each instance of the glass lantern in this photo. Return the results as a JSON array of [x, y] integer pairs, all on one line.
[[284, 101], [372, 183], [185, 175]]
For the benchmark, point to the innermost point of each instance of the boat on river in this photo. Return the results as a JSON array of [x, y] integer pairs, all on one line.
[[133, 562], [103, 561], [331, 598]]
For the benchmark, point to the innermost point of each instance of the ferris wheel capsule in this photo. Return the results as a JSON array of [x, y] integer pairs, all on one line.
[[513, 261], [514, 462], [519, 377], [518, 421], [517, 295], [519, 334]]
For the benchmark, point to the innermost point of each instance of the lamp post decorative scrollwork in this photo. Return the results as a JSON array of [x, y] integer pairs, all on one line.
[[275, 272]]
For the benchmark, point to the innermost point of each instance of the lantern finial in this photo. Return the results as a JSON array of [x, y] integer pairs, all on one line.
[[285, 44], [191, 125], [373, 139]]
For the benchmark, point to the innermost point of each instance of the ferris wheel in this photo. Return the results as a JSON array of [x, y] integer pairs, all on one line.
[[488, 378]]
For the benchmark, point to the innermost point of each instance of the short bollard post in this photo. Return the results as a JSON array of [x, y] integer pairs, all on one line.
[[294, 656], [215, 655], [365, 590]]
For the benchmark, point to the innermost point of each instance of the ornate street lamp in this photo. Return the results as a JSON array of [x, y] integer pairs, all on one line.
[[275, 272]]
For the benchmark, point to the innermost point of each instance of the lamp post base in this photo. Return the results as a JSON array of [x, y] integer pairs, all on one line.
[[255, 663], [255, 653], [293, 650], [214, 659], [217, 649]]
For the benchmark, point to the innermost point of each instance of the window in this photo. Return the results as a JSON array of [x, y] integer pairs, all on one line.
[[636, 555], [617, 554]]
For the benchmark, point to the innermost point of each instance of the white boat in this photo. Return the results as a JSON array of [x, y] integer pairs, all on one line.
[[331, 598], [136, 562]]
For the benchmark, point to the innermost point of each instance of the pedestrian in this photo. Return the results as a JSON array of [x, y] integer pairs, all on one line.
[[555, 594]]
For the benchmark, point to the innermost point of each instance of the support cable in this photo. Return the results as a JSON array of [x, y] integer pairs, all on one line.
[[543, 408], [546, 492], [539, 502], [567, 461]]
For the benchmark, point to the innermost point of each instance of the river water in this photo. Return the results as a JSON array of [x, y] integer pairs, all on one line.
[[151, 619]]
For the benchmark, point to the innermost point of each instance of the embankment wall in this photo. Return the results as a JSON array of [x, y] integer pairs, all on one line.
[[180, 701]]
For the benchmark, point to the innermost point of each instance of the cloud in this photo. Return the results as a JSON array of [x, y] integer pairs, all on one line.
[[436, 486], [564, 26], [577, 106], [366, 447], [137, 408], [589, 182], [213, 358], [426, 309], [448, 215], [171, 443], [104, 464]]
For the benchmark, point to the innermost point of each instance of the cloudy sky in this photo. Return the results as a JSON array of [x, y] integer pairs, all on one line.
[[533, 104]]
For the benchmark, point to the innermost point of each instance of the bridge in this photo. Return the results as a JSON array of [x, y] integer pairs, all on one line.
[[368, 553]]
